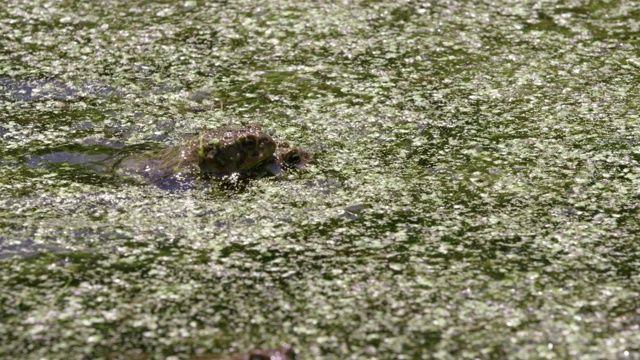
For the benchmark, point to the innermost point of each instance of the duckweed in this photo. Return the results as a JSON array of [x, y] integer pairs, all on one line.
[[475, 193]]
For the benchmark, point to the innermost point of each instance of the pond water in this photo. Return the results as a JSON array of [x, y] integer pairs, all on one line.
[[476, 193]]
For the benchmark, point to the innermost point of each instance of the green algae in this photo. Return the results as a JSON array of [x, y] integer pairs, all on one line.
[[475, 194]]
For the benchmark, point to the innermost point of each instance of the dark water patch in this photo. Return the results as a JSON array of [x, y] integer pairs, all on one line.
[[20, 90], [24, 248], [64, 157]]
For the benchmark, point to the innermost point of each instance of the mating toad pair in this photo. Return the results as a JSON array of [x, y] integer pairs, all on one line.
[[246, 152]]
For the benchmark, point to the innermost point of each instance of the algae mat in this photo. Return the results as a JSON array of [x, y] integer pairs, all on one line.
[[476, 193]]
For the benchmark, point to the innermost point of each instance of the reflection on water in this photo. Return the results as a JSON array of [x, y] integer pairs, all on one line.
[[65, 157], [37, 90]]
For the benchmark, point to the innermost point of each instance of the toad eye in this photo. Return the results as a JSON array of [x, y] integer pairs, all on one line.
[[249, 143], [291, 354], [258, 357], [294, 158], [212, 154]]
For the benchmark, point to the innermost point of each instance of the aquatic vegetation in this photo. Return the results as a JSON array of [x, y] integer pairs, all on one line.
[[474, 195]]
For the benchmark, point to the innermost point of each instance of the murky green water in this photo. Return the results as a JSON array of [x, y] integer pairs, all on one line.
[[476, 196]]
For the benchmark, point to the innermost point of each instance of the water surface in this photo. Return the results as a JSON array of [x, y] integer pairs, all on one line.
[[476, 192]]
